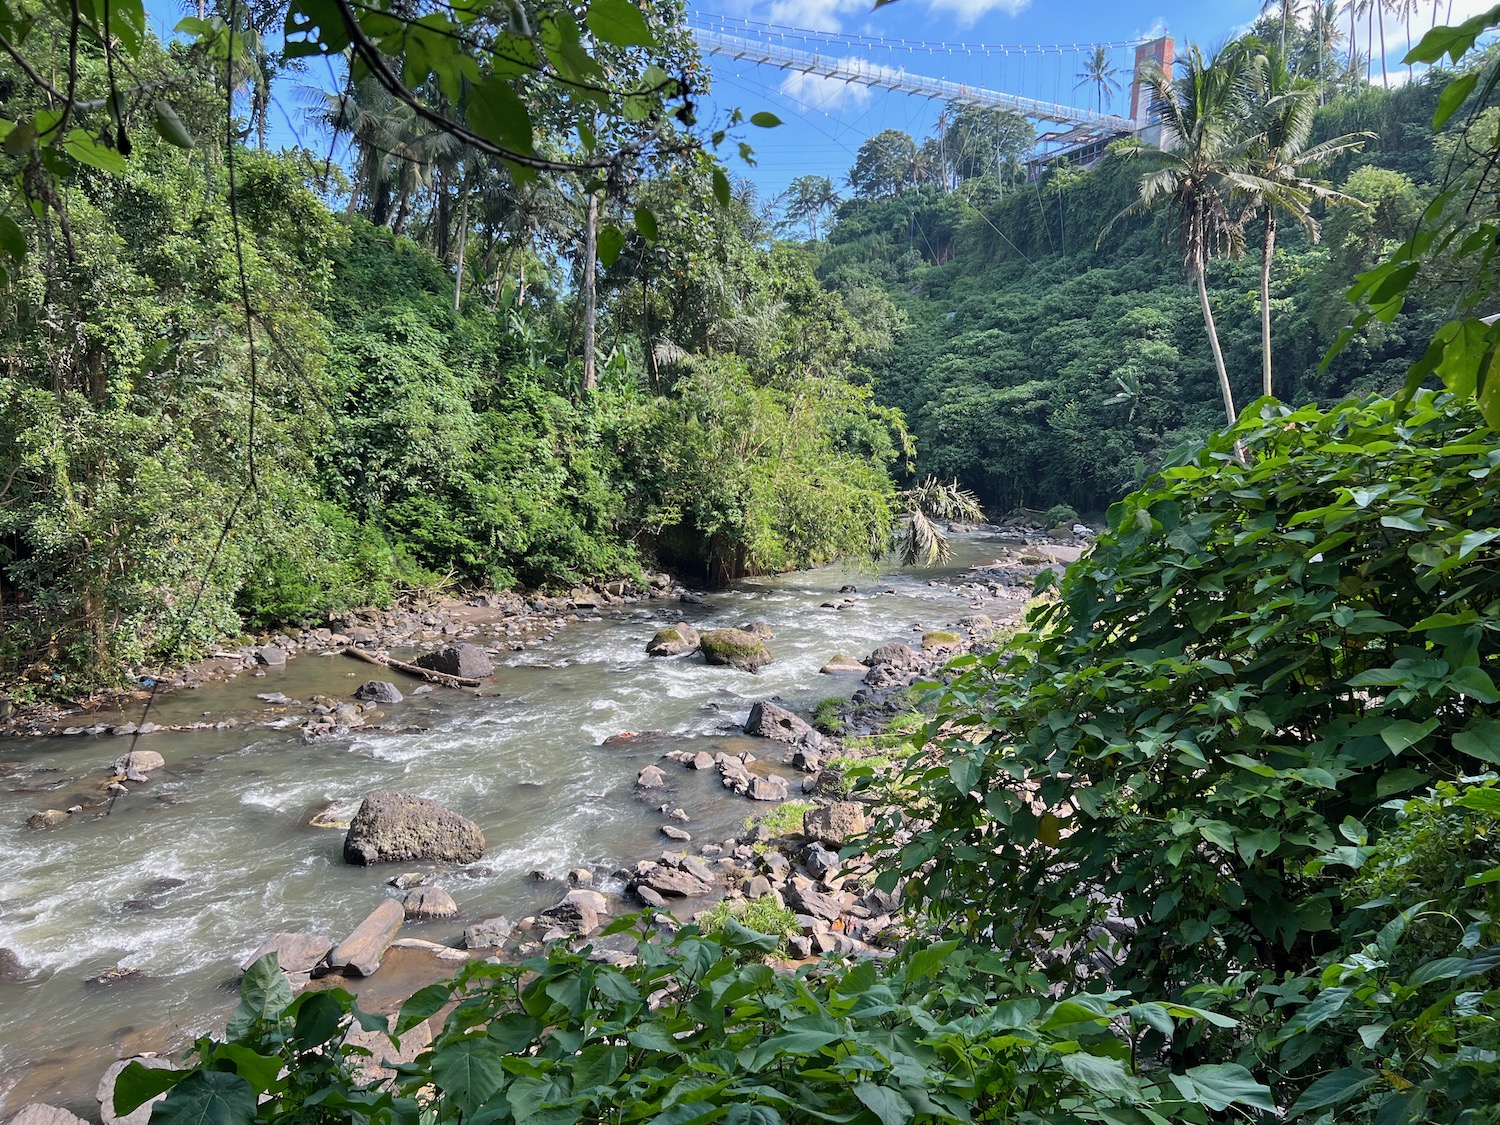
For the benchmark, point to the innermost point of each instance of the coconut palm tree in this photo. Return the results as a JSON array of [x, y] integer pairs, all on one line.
[[1288, 15], [1281, 160], [1100, 73], [1203, 160], [918, 537]]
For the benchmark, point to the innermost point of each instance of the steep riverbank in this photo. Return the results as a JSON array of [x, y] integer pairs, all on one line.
[[189, 872]]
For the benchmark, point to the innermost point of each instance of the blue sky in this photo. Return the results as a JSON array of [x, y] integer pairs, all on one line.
[[825, 121]]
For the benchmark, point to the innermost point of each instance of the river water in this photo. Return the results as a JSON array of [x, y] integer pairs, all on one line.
[[190, 872]]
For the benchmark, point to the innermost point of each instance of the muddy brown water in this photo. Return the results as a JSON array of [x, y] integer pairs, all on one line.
[[189, 872]]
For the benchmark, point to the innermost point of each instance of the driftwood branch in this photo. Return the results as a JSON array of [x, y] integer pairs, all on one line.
[[411, 669]]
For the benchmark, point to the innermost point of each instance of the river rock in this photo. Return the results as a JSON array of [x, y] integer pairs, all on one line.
[[650, 897], [674, 640], [941, 639], [736, 648], [398, 827], [896, 655], [758, 628], [362, 950], [270, 655], [842, 663], [12, 969], [106, 1092], [773, 788], [650, 777], [429, 902], [470, 662], [38, 1114], [578, 913], [669, 882], [835, 824], [770, 720], [820, 860], [295, 953], [672, 832], [47, 818], [378, 691], [139, 761], [489, 934], [376, 1066]]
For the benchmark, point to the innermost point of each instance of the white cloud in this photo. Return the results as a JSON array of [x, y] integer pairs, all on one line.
[[813, 15], [818, 92], [1157, 29], [967, 12]]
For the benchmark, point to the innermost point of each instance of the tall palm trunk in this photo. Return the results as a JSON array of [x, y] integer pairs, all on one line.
[[1385, 77], [1213, 341], [1268, 253], [463, 239], [590, 380]]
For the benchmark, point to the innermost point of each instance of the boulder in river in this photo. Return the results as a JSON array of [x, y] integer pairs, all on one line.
[[12, 969], [139, 761], [362, 950], [771, 720], [736, 648], [835, 824], [295, 953], [489, 934], [469, 662], [896, 655], [650, 777], [941, 639], [429, 902], [378, 691], [47, 818], [674, 640], [270, 655], [399, 827], [38, 1114], [842, 663]]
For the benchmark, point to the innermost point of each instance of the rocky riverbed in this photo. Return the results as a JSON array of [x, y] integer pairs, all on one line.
[[687, 781]]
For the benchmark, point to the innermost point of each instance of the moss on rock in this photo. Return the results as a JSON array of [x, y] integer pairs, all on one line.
[[736, 648]]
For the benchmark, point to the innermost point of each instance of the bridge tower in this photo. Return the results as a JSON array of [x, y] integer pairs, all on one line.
[[1161, 53]]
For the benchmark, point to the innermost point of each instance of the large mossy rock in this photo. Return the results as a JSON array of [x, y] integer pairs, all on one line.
[[395, 827], [736, 648], [674, 640]]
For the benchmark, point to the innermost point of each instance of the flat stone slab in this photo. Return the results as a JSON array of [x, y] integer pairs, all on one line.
[[38, 1114], [362, 950], [295, 953]]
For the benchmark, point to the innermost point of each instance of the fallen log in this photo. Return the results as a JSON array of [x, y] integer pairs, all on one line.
[[411, 669]]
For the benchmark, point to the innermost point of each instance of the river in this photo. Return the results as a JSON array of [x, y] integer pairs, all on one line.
[[188, 873]]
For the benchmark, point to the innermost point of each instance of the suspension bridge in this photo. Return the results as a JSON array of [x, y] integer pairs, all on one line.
[[1077, 132]]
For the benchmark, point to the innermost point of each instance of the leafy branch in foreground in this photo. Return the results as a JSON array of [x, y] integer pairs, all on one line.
[[693, 1031], [919, 539]]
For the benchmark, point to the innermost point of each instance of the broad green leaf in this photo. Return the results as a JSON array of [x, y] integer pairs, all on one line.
[[1403, 733], [765, 120], [645, 222], [1332, 1089], [1221, 1085], [1099, 1073], [1474, 683], [890, 1107], [1454, 95], [421, 1005], [207, 1097], [1454, 41], [618, 23], [721, 187], [86, 149], [12, 240], [264, 995], [495, 111], [468, 1071], [611, 242], [136, 1085], [170, 127], [737, 936], [1481, 739]]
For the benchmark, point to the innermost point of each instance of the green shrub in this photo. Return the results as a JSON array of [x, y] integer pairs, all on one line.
[[1249, 657], [765, 915], [784, 820], [1060, 513], [826, 715]]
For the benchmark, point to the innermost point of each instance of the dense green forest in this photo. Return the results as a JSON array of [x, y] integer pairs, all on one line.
[[1045, 360]]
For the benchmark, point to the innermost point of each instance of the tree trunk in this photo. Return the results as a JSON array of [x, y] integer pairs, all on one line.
[[1385, 78], [1213, 343], [1268, 253], [590, 380], [463, 239]]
